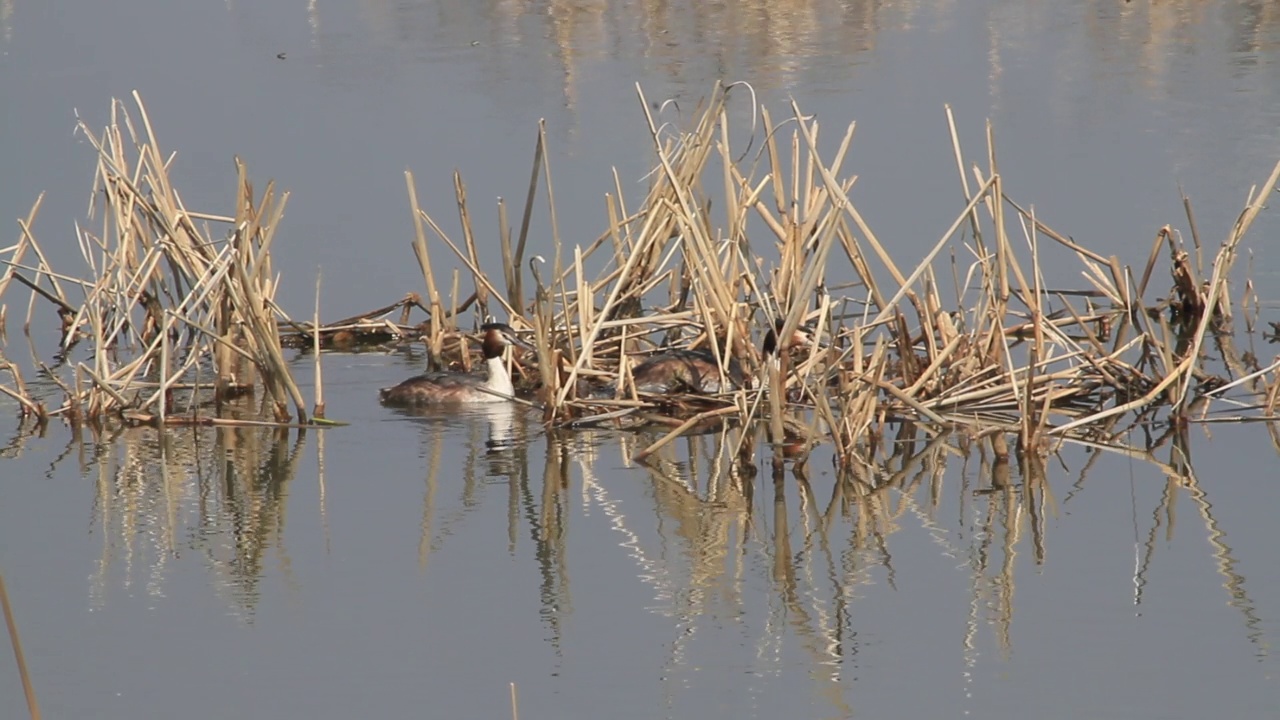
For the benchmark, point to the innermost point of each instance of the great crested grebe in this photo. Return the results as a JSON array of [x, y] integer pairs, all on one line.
[[440, 388], [685, 371], [775, 361], [696, 371]]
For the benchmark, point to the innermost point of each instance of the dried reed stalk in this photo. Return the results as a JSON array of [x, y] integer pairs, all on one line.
[[1015, 355], [164, 296], [33, 706]]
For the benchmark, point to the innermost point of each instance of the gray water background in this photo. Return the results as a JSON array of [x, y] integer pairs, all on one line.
[[401, 567]]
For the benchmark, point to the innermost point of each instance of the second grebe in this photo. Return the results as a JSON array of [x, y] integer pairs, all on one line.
[[455, 387], [775, 361], [691, 371], [696, 371]]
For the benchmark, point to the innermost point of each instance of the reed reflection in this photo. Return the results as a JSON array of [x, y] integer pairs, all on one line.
[[214, 493], [781, 44], [702, 489], [712, 529], [710, 532]]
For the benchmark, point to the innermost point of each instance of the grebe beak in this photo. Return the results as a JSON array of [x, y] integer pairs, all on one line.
[[520, 342], [804, 337]]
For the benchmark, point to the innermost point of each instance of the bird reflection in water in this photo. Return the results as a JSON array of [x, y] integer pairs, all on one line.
[[496, 433]]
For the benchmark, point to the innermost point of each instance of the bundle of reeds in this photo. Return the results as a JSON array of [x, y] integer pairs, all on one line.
[[785, 250], [1004, 352], [170, 310]]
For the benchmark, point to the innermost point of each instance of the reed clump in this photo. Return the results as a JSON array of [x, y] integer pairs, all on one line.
[[971, 339], [738, 234], [178, 319]]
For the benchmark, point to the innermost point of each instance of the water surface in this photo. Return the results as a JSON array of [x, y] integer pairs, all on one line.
[[418, 565]]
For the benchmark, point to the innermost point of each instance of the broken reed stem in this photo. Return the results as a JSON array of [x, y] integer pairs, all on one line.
[[1037, 350], [526, 218], [20, 249], [319, 408], [1221, 267], [483, 284], [891, 306], [420, 251], [510, 267], [551, 203], [164, 369], [33, 707], [682, 428]]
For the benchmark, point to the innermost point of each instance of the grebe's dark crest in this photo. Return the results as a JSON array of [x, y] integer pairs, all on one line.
[[456, 387]]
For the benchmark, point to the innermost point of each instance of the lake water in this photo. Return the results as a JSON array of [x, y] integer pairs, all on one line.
[[417, 566]]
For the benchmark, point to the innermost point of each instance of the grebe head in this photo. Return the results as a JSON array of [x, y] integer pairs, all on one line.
[[775, 359], [801, 337], [497, 336]]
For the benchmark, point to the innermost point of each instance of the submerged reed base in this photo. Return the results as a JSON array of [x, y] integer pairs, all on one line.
[[731, 239]]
